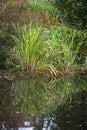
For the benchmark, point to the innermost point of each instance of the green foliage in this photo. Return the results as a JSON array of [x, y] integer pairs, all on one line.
[[73, 12], [64, 44], [28, 46], [3, 56], [54, 50], [43, 6]]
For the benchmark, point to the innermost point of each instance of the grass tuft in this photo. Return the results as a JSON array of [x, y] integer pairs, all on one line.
[[53, 50]]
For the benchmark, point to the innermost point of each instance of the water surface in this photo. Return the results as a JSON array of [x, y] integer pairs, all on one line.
[[43, 104]]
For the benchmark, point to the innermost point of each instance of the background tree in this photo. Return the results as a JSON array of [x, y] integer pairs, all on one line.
[[73, 12]]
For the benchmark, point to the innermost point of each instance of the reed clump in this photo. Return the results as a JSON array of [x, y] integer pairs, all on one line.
[[54, 51]]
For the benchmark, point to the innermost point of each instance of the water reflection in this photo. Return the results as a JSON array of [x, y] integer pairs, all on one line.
[[38, 96], [46, 104], [7, 91], [74, 115]]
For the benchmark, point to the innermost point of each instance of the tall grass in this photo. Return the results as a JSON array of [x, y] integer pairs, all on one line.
[[54, 50], [65, 44], [31, 49], [28, 46]]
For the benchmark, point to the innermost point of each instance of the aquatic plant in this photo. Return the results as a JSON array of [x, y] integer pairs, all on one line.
[[65, 44], [31, 49], [54, 50], [28, 46]]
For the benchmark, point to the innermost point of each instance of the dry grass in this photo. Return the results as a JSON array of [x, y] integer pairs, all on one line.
[[18, 11]]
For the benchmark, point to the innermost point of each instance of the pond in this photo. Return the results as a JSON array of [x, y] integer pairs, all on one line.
[[43, 104]]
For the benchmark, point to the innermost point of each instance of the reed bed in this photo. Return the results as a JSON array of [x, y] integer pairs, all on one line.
[[53, 50]]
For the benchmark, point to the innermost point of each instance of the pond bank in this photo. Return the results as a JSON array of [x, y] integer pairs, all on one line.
[[11, 75], [60, 48]]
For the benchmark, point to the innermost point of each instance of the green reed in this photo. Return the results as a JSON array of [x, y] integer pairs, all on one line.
[[28, 46], [54, 50], [65, 44], [31, 49]]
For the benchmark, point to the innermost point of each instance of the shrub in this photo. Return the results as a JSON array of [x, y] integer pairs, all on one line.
[[73, 12]]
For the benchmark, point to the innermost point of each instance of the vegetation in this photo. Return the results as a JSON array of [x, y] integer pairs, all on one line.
[[41, 96], [35, 42], [28, 47], [43, 6], [39, 43], [54, 50], [74, 12]]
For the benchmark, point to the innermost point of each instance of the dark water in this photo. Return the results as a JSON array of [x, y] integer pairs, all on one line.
[[41, 104]]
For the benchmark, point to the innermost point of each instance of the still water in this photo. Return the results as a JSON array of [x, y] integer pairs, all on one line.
[[43, 104]]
